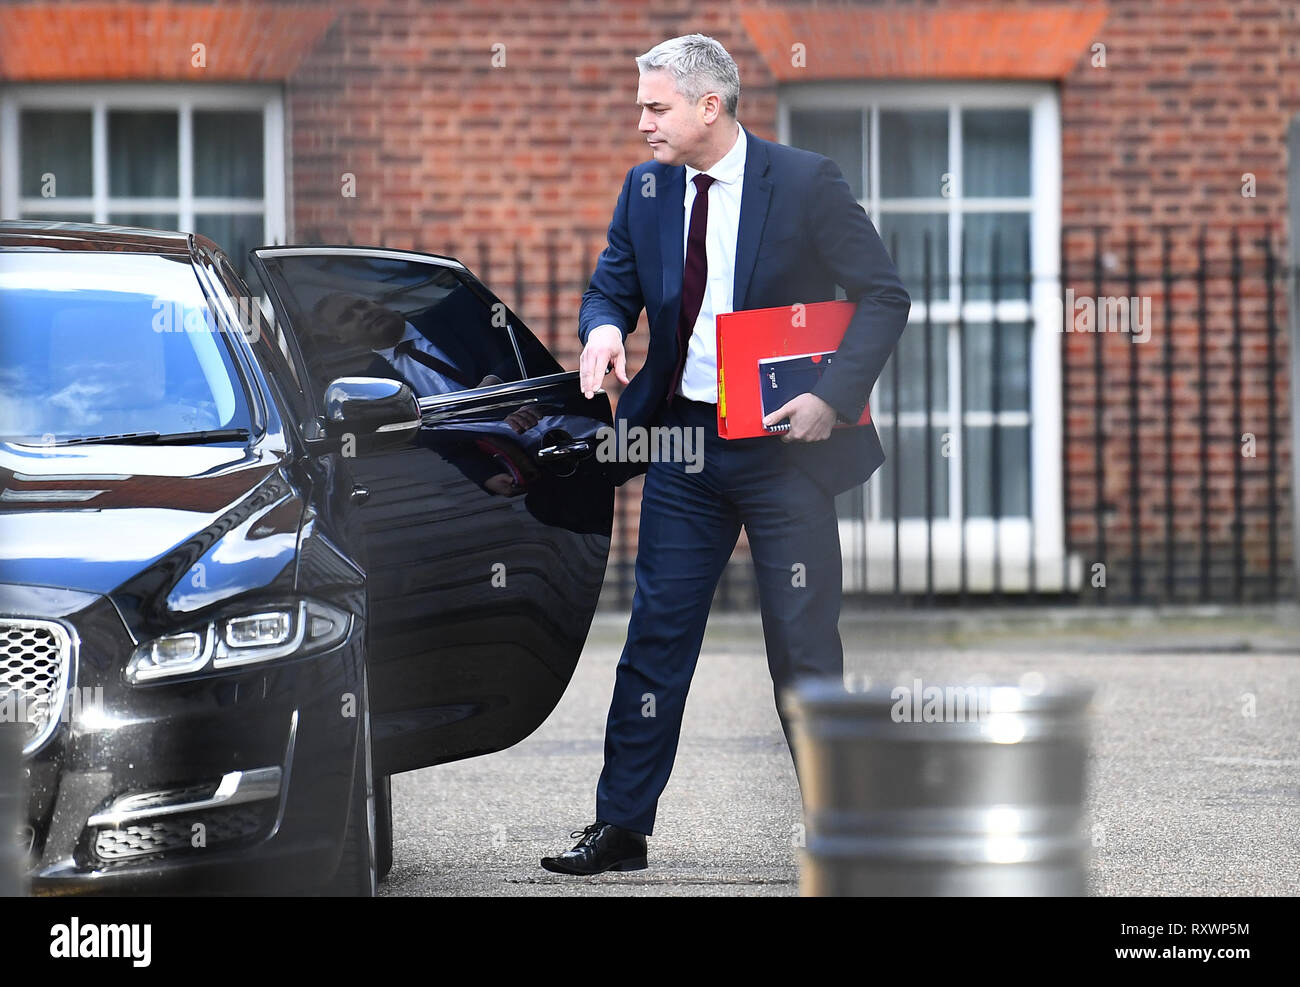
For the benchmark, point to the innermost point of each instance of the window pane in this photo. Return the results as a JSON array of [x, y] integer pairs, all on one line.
[[836, 134], [110, 342], [236, 234], [910, 355], [913, 153], [1012, 367], [903, 236], [911, 462], [382, 317], [266, 335], [995, 152], [228, 153], [143, 160], [57, 143], [1012, 229], [148, 220], [1012, 476], [270, 327]]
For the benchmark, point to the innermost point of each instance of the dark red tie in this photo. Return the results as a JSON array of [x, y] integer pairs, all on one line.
[[694, 276]]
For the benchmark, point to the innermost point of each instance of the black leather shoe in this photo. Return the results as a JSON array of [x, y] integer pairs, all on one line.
[[603, 847]]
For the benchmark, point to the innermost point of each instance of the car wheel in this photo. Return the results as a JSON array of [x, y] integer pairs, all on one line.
[[384, 825], [358, 875]]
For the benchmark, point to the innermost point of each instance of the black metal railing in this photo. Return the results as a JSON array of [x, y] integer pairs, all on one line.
[[1183, 524]]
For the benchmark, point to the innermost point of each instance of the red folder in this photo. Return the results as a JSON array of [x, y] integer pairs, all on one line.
[[746, 337]]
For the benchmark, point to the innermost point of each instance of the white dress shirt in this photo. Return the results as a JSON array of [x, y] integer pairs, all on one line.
[[425, 381], [700, 374]]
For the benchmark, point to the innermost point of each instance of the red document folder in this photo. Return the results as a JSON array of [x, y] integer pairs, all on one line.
[[746, 337]]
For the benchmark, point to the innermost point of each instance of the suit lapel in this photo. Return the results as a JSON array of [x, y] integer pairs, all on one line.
[[671, 231], [755, 195]]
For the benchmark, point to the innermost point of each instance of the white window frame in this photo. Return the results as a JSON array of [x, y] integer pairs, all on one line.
[[1012, 534], [183, 99]]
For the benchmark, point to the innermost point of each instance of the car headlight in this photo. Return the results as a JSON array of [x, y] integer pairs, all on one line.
[[304, 628]]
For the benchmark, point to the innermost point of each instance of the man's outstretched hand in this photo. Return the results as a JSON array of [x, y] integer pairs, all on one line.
[[811, 418], [604, 347]]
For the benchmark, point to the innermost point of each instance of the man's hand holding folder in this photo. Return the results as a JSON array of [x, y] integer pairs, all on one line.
[[811, 419]]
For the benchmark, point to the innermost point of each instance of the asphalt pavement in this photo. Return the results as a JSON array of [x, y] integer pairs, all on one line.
[[1194, 770]]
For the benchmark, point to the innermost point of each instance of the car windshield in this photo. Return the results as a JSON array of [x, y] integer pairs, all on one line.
[[111, 344]]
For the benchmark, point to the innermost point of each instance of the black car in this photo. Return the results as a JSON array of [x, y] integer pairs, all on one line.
[[258, 553]]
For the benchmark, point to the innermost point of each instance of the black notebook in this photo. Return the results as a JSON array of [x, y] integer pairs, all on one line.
[[782, 378]]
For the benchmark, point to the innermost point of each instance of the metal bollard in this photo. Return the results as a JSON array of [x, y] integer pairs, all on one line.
[[12, 804], [957, 790]]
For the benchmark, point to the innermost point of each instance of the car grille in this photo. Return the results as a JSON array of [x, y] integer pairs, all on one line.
[[34, 659], [221, 826]]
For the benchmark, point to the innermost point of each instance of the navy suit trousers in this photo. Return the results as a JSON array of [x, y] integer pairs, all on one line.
[[690, 522]]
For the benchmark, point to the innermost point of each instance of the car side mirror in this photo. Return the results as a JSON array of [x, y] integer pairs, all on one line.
[[374, 413]]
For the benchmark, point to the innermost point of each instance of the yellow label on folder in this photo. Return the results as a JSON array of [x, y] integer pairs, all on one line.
[[722, 388]]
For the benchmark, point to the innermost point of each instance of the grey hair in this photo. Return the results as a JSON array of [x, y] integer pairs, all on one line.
[[698, 64]]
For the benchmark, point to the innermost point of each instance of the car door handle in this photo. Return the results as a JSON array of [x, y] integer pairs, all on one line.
[[359, 495], [568, 450]]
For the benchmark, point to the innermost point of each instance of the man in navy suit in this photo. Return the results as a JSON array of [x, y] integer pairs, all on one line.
[[721, 221]]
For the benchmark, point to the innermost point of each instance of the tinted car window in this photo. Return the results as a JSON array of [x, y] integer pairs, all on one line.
[[389, 317], [111, 343], [268, 337]]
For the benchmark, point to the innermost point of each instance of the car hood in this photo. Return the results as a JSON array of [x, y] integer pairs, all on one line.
[[174, 528]]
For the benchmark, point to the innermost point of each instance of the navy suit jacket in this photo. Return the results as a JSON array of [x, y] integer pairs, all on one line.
[[801, 233]]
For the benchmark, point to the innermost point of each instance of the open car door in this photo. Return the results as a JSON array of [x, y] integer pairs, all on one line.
[[485, 540]]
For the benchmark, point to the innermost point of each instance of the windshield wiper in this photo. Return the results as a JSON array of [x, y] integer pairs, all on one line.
[[159, 439]]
